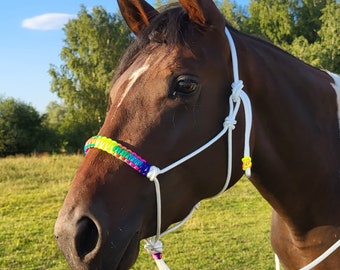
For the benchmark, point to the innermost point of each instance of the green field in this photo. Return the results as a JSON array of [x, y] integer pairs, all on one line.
[[228, 232]]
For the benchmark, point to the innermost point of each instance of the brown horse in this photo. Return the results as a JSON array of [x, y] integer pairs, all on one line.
[[169, 97]]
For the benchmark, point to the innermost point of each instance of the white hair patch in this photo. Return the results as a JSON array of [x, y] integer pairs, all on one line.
[[336, 86], [133, 78]]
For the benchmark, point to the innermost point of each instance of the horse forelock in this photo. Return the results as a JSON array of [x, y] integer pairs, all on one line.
[[169, 27]]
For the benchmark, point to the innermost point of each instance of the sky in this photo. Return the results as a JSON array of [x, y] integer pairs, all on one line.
[[31, 39]]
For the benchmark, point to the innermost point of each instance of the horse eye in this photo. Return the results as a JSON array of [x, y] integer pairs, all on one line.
[[185, 86]]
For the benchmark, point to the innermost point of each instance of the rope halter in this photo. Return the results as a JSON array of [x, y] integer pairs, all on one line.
[[154, 245]]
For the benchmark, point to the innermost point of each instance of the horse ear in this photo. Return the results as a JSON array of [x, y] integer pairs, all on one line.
[[203, 12], [137, 13]]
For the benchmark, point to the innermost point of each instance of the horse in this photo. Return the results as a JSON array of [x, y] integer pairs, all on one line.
[[169, 97]]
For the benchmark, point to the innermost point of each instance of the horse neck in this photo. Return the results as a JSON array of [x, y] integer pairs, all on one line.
[[295, 130]]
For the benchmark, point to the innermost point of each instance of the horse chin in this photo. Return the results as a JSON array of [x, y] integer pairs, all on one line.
[[130, 255], [107, 260]]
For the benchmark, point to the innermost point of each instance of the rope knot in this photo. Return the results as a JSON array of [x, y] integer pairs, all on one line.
[[154, 247], [229, 122], [153, 173], [236, 88]]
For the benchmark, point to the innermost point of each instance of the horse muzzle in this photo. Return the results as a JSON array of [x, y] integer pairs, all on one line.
[[87, 242]]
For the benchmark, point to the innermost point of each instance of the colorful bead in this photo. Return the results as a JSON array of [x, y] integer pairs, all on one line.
[[246, 163], [157, 256], [117, 150]]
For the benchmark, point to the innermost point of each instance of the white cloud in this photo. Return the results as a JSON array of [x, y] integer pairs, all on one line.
[[48, 21]]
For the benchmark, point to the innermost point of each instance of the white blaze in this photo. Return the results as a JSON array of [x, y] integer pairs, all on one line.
[[133, 78]]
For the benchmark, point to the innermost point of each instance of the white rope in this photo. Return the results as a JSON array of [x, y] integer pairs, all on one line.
[[316, 261], [233, 54], [277, 263], [153, 244], [322, 257]]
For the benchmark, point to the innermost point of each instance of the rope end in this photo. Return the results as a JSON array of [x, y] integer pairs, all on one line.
[[246, 165], [161, 264], [155, 248]]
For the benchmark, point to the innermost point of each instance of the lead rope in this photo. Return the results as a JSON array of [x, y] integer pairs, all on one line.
[[153, 245]]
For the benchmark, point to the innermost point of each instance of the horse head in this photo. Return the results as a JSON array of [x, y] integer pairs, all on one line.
[[169, 97]]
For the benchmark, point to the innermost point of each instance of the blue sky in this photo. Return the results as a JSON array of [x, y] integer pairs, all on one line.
[[31, 40]]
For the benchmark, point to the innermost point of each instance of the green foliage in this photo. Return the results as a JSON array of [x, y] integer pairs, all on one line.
[[93, 45], [329, 34], [22, 129], [71, 130], [271, 19], [160, 3], [227, 232], [309, 29], [307, 15], [232, 12], [324, 50]]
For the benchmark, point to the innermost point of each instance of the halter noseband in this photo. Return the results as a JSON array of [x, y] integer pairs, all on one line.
[[154, 245], [118, 151]]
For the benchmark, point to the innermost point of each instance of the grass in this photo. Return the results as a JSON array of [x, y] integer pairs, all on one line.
[[228, 232]]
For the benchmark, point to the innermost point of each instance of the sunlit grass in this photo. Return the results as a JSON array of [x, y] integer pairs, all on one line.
[[31, 191], [228, 232]]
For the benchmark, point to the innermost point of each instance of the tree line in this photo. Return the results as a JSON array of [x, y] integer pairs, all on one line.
[[95, 41]]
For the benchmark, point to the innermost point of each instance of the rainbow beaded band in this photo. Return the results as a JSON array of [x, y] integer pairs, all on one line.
[[117, 150], [157, 256], [246, 163]]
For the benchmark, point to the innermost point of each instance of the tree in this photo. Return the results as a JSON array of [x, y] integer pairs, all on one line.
[[68, 128], [20, 128], [272, 19], [329, 34], [53, 122], [323, 49], [234, 14], [309, 29], [93, 46], [307, 15], [159, 3]]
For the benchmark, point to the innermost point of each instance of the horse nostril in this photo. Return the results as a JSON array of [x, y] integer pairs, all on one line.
[[86, 237]]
